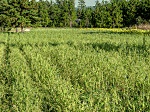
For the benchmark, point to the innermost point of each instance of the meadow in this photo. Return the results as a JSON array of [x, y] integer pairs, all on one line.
[[75, 70]]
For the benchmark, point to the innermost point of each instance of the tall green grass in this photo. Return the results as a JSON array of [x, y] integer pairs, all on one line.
[[74, 70]]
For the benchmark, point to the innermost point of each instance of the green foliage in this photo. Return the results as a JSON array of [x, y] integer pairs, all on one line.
[[5, 22], [17, 13], [63, 13], [81, 13], [102, 15], [143, 8], [116, 14], [43, 13], [74, 70], [67, 12]]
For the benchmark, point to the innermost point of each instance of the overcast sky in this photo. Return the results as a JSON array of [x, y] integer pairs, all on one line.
[[88, 2]]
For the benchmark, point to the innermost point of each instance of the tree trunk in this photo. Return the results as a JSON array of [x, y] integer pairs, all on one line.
[[16, 30], [21, 28], [70, 24]]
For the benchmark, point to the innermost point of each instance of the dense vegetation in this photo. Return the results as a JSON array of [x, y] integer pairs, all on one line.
[[74, 70], [63, 13]]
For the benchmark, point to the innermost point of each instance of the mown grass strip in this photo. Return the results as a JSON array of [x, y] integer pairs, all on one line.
[[25, 93], [57, 94], [2, 80], [72, 70], [7, 78]]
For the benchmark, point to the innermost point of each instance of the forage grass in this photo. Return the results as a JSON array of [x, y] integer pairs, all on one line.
[[75, 70]]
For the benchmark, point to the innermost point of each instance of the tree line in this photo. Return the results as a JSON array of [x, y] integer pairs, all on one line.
[[63, 13]]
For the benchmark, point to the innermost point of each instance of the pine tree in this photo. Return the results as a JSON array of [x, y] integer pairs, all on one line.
[[54, 15], [43, 13], [61, 13], [66, 12], [81, 12], [96, 18], [129, 12], [49, 5], [5, 22], [88, 17], [33, 13], [95, 14], [71, 12], [81, 9], [19, 12], [143, 10], [102, 15], [116, 14]]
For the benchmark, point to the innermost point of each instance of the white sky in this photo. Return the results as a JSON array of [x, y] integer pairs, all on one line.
[[88, 2]]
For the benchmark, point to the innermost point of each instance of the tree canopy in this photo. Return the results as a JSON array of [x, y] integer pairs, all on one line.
[[63, 13]]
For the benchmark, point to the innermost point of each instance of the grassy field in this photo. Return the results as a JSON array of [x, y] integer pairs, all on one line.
[[75, 70]]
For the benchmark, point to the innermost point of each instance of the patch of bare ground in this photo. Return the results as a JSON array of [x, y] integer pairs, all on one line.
[[19, 30], [143, 26]]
